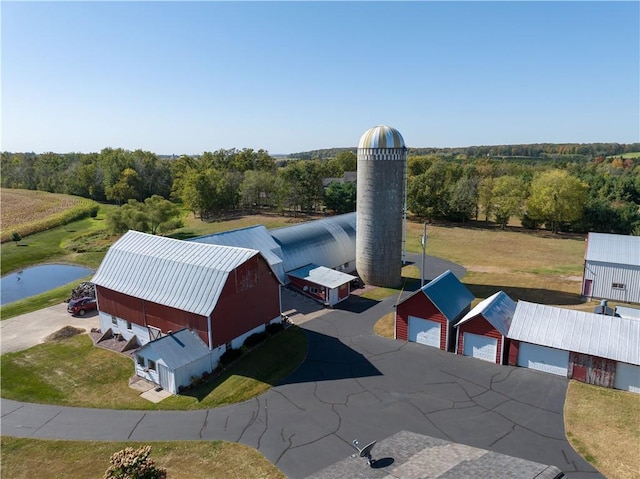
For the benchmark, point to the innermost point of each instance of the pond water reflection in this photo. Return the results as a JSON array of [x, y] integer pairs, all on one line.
[[38, 279]]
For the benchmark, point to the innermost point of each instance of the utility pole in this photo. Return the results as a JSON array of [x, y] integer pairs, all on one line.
[[424, 247]]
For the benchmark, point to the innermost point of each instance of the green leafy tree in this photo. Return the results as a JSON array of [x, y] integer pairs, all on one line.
[[131, 463], [125, 188], [154, 215], [340, 197], [508, 195], [15, 237], [258, 189], [556, 198], [463, 199]]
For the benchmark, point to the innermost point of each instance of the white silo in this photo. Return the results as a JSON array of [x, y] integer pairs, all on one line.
[[382, 160]]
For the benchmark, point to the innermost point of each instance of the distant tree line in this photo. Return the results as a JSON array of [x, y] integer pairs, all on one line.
[[563, 193], [579, 151]]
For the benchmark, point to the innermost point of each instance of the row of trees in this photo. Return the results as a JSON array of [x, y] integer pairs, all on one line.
[[601, 194]]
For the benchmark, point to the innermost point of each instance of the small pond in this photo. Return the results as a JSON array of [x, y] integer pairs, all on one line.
[[38, 279]]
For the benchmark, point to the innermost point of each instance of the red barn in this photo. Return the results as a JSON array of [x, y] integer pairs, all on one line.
[[482, 332], [427, 316], [149, 285]]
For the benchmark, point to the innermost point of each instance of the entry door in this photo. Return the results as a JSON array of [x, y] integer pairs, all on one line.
[[424, 331], [164, 377], [586, 289]]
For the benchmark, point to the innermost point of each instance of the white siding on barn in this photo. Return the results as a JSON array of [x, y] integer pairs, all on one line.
[[627, 377], [604, 275], [481, 347], [424, 331], [141, 332], [542, 358], [239, 341]]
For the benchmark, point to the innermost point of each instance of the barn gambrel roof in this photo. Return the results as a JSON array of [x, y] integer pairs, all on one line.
[[328, 242], [253, 237], [498, 309], [610, 248], [599, 335], [180, 274]]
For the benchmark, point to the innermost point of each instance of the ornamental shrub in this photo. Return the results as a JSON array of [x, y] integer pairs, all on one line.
[[131, 463]]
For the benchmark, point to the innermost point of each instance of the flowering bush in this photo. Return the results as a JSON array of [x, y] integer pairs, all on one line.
[[131, 463]]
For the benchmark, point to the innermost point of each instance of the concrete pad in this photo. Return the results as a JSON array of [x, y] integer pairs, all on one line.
[[155, 396], [30, 329]]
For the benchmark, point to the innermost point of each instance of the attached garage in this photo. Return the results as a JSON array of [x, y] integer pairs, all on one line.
[[627, 377], [542, 358], [592, 348], [424, 331], [428, 315], [482, 332], [480, 347]]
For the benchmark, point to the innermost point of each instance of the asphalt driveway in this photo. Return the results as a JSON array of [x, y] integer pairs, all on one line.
[[353, 384]]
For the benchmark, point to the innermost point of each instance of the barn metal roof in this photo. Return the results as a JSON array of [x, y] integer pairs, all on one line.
[[253, 237], [381, 137], [180, 274], [327, 277], [609, 248], [328, 242], [600, 335], [176, 349], [498, 309]]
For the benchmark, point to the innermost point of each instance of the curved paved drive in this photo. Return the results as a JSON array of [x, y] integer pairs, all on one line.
[[353, 384]]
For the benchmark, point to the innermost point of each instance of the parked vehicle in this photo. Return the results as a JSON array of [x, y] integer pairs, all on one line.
[[80, 306]]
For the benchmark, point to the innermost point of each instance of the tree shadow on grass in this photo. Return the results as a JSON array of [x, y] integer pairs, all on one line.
[[533, 295]]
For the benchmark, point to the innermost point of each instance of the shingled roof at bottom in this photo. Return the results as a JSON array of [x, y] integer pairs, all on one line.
[[180, 274]]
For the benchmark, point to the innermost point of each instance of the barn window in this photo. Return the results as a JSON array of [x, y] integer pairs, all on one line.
[[141, 361], [152, 365], [114, 320], [313, 290], [129, 325], [617, 285]]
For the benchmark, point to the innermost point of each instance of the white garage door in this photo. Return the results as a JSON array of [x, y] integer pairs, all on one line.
[[627, 377], [542, 358], [481, 347], [424, 331]]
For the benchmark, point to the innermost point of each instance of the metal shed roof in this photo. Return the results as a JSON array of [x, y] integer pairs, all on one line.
[[254, 237], [327, 277], [609, 248], [328, 242], [180, 274], [498, 309], [447, 293], [626, 312], [177, 349], [608, 337]]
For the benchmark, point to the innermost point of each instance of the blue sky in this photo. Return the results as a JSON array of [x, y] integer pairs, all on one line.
[[188, 77]]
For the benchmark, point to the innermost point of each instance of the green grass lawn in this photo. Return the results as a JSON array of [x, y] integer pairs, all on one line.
[[72, 372], [49, 459]]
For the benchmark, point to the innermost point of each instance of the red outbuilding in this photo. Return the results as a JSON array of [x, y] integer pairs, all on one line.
[[482, 332], [427, 316]]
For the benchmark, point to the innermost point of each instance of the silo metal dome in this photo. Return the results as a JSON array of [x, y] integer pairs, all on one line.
[[380, 205], [381, 136]]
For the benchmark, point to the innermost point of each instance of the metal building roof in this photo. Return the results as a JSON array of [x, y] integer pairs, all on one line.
[[327, 277], [626, 312], [600, 335], [177, 349], [253, 237], [381, 136], [328, 242], [609, 248], [498, 309], [180, 274]]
